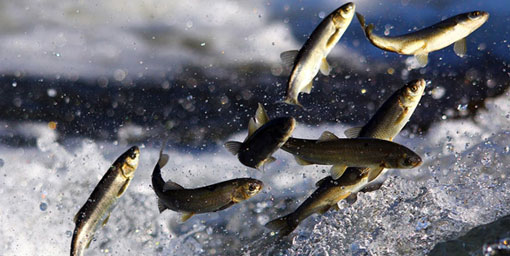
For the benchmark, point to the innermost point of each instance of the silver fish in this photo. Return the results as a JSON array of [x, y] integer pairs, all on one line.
[[96, 210], [311, 58], [438, 36], [211, 198]]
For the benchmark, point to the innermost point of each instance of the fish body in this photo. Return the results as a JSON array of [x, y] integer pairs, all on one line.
[[358, 152], [325, 197], [264, 138], [433, 38], [210, 198], [311, 58], [101, 202]]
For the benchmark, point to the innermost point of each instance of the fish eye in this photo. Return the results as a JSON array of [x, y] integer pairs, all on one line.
[[252, 187], [414, 88], [132, 154], [474, 15]]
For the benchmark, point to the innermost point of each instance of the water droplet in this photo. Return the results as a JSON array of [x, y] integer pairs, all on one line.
[[51, 92], [69, 233], [43, 206], [14, 84], [202, 44], [322, 15]]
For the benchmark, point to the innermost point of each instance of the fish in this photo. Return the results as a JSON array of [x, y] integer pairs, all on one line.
[[386, 123], [453, 30], [210, 198], [264, 138], [325, 197], [96, 210], [355, 152], [391, 117], [306, 63]]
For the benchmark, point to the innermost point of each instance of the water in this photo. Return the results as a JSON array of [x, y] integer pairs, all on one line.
[[84, 81]]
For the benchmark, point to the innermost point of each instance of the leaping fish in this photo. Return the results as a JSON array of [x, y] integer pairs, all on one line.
[[438, 36], [386, 123], [356, 152], [96, 210], [211, 198], [311, 58], [264, 138]]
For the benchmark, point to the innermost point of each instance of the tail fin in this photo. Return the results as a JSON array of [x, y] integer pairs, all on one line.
[[292, 101], [157, 181], [367, 29], [283, 225]]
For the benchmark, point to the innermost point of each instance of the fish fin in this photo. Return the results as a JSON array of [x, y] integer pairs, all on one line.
[[163, 160], [233, 146], [308, 87], [161, 206], [292, 101], [353, 132], [337, 171], [170, 185], [422, 59], [106, 219], [302, 161], [261, 117], [333, 39], [335, 207], [269, 160], [460, 47], [402, 115], [185, 216], [124, 188], [374, 174], [289, 58], [324, 209], [327, 136], [90, 241], [252, 127], [361, 19], [352, 198], [282, 226], [372, 187], [325, 68]]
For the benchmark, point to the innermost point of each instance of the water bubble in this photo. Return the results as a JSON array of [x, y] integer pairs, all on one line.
[[14, 84], [51, 92], [43, 206], [69, 233], [322, 15]]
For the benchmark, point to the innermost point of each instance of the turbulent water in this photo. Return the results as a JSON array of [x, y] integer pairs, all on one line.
[[463, 183], [83, 81]]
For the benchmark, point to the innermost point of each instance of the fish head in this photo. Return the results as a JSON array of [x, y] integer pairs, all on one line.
[[409, 160], [246, 189], [413, 91], [130, 161], [343, 14], [473, 20], [281, 128]]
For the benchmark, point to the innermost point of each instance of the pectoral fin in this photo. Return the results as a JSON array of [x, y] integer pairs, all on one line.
[[374, 174], [352, 198], [161, 206], [185, 216], [352, 132], [325, 68], [402, 115], [337, 171], [308, 88], [289, 57], [372, 187], [106, 219], [460, 47], [123, 188], [302, 161], [88, 243], [233, 147], [422, 59]]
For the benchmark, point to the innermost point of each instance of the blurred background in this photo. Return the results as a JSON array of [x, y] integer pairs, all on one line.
[[135, 70]]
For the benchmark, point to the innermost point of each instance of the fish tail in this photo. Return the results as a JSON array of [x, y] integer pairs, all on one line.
[[283, 225], [157, 180], [367, 29], [293, 101]]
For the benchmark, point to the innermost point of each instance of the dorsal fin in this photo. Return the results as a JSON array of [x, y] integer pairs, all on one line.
[[233, 146], [289, 58], [261, 115], [170, 185], [327, 136], [353, 132]]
